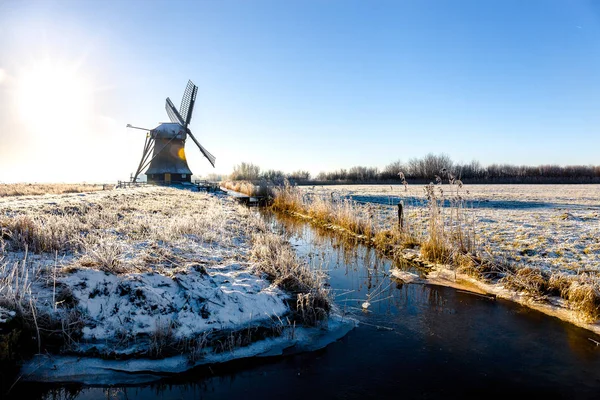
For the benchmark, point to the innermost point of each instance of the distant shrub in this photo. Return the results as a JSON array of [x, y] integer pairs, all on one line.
[[245, 171], [299, 176]]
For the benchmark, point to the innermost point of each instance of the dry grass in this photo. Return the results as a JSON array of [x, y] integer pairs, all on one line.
[[104, 255], [163, 343], [559, 284], [584, 297], [395, 238], [582, 292], [449, 239], [62, 327], [32, 189], [529, 280], [351, 218], [288, 199], [38, 233], [436, 248], [262, 189], [15, 286], [126, 232], [161, 339], [392, 241], [483, 269], [445, 241], [275, 258], [95, 227]]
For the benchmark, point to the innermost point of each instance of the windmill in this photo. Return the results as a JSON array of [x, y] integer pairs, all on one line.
[[164, 154]]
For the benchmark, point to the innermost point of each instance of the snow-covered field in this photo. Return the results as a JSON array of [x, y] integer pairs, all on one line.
[[146, 272], [554, 227]]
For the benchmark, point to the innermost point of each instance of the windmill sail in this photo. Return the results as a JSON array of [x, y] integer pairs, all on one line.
[[174, 115], [187, 102], [206, 153]]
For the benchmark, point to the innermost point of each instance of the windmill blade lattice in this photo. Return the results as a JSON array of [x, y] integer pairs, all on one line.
[[174, 115], [211, 159], [187, 102]]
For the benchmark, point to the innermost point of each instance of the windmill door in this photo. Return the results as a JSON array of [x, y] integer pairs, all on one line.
[[167, 178]]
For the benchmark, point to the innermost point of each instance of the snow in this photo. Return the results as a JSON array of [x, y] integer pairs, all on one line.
[[144, 265], [168, 130], [227, 297], [97, 371], [405, 276], [6, 315]]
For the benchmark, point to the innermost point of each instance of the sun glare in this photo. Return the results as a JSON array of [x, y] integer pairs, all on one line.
[[49, 94]]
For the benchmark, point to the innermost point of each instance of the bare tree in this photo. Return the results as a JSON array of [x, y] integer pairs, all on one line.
[[245, 171]]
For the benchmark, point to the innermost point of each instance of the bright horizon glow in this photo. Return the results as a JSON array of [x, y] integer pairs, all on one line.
[[49, 92], [309, 85]]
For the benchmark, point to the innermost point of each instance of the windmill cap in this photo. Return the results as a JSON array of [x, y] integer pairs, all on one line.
[[168, 130]]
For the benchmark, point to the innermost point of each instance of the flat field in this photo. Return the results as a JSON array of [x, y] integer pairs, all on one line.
[[36, 189], [551, 227]]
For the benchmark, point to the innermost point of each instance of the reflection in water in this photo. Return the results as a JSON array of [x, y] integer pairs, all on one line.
[[413, 340], [357, 273]]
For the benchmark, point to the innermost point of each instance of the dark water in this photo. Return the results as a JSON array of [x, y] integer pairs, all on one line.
[[415, 341]]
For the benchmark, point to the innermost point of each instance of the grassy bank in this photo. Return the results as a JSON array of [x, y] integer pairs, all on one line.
[[148, 272], [447, 238]]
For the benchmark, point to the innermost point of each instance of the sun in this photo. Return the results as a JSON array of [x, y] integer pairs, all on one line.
[[52, 96]]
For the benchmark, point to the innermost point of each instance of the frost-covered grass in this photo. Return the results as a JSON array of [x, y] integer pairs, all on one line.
[[355, 219], [551, 227], [527, 238], [279, 262], [34, 189], [150, 272], [249, 188]]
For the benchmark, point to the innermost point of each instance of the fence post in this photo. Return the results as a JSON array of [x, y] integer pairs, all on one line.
[[400, 216]]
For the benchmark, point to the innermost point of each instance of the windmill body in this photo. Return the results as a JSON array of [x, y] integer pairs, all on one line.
[[164, 150], [168, 157]]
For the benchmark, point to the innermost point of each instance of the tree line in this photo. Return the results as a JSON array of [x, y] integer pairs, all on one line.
[[427, 169], [250, 172]]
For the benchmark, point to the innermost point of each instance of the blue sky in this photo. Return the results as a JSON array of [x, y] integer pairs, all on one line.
[[313, 85]]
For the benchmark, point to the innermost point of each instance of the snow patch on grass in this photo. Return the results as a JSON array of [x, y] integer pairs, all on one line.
[[224, 298]]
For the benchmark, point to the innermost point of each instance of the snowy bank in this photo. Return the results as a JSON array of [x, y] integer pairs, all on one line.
[[159, 279], [95, 371]]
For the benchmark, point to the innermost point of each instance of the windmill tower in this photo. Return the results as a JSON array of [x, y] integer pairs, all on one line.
[[164, 153]]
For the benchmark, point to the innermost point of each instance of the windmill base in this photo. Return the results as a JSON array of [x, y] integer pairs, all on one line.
[[167, 178]]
